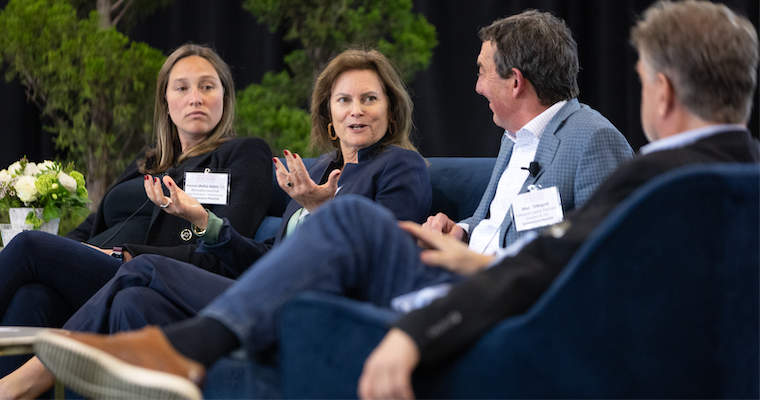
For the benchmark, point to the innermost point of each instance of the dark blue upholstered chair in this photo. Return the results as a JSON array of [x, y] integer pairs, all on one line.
[[660, 302]]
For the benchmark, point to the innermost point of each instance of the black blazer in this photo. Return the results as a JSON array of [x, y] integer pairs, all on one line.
[[513, 285], [249, 163]]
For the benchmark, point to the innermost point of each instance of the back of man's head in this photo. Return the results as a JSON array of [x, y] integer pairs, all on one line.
[[541, 46], [708, 52]]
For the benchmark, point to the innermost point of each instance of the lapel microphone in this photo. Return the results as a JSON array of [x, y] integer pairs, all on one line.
[[533, 168]]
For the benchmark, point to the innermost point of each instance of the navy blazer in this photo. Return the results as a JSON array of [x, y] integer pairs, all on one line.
[[578, 150], [394, 177]]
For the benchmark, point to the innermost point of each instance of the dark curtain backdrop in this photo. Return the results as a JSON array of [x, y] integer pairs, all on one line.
[[451, 119]]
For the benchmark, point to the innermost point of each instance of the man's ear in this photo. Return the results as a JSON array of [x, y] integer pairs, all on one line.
[[666, 95], [519, 84]]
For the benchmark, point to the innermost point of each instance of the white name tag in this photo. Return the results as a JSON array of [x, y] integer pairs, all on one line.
[[537, 208], [208, 187]]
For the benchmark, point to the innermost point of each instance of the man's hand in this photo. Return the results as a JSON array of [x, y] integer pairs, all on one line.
[[441, 223], [387, 373], [445, 251]]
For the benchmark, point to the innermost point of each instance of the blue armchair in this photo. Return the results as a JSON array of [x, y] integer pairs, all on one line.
[[661, 301]]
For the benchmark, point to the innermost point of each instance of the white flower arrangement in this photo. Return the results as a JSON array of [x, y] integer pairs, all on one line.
[[47, 185]]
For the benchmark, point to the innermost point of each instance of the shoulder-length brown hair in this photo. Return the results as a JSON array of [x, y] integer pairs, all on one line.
[[400, 104], [168, 150]]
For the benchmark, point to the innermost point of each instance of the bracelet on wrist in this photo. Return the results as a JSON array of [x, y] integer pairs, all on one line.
[[197, 231]]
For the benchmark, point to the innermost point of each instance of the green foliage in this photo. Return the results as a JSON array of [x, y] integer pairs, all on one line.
[[95, 86], [70, 219], [272, 109], [126, 14], [325, 28]]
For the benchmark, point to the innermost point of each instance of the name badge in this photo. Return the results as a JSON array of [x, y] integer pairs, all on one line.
[[208, 187], [537, 208]]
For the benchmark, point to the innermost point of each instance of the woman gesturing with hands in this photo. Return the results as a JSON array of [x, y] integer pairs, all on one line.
[[296, 182], [361, 118]]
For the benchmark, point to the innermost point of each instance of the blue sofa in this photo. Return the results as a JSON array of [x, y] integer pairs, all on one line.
[[457, 183], [661, 301]]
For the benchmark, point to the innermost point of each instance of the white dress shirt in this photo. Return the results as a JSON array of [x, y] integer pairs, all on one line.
[[484, 238]]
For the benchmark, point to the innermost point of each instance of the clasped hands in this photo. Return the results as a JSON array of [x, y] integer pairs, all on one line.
[[296, 182]]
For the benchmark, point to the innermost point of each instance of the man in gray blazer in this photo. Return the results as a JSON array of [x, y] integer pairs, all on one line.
[[528, 67]]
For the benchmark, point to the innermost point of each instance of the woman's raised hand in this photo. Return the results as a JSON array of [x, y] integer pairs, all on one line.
[[296, 182], [179, 203]]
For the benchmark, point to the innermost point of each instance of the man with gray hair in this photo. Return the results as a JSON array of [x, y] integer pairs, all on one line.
[[369, 258]]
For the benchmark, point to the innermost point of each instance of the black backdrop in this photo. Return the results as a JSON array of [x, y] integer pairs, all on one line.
[[451, 119]]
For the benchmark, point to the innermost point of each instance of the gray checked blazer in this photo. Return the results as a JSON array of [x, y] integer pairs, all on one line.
[[578, 150]]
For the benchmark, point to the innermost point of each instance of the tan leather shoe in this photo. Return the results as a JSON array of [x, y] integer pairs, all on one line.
[[131, 365]]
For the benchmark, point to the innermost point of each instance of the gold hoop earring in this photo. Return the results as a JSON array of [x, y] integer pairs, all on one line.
[[331, 132]]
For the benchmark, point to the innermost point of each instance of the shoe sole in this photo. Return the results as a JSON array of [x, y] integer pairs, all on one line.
[[96, 374]]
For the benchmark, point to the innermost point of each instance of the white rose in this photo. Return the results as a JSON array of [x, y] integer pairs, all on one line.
[[31, 169], [14, 168], [25, 189], [47, 164], [67, 181], [5, 177]]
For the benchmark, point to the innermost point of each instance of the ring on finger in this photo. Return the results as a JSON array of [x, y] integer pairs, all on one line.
[[167, 204]]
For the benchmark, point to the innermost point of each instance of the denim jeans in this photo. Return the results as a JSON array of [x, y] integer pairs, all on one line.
[[351, 246]]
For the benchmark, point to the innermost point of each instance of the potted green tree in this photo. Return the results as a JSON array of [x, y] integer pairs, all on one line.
[[93, 85]]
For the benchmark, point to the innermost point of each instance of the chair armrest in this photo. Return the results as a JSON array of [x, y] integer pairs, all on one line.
[[330, 331]]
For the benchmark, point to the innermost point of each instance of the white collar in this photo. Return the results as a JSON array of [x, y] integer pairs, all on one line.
[[538, 124], [686, 138]]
